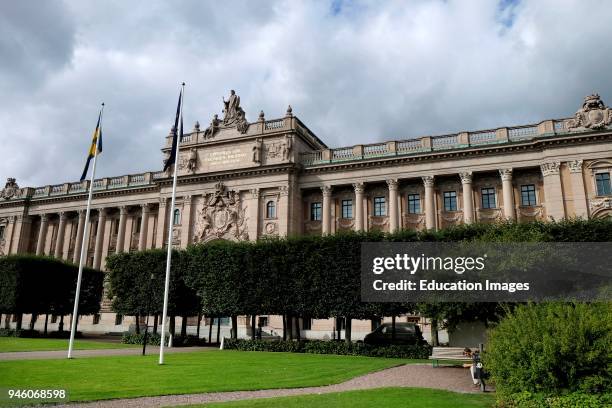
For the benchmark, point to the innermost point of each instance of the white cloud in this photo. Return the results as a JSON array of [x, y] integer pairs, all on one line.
[[355, 72]]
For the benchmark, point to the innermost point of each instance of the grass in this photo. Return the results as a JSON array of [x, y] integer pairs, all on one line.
[[97, 378], [381, 397], [23, 344]]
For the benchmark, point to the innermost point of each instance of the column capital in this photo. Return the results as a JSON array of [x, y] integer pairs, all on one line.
[[284, 190], [466, 177], [102, 212], [327, 191], [575, 166], [428, 181], [123, 210], [187, 199], [359, 187], [81, 213], [12, 219], [254, 193], [146, 207], [550, 168], [62, 216], [163, 202], [44, 217], [506, 174], [392, 183]]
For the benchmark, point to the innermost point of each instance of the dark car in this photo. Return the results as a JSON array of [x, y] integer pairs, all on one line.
[[405, 333]]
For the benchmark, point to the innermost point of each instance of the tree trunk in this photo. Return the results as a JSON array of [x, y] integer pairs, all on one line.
[[199, 321], [210, 325], [60, 327], [290, 326], [284, 327], [46, 323], [172, 325], [218, 329], [19, 320], [434, 333], [253, 318], [76, 325], [298, 332], [33, 321], [155, 324], [137, 320], [234, 327], [7, 321], [392, 329], [339, 328], [184, 326], [348, 331]]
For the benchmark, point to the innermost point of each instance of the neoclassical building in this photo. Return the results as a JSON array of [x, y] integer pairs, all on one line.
[[241, 180]]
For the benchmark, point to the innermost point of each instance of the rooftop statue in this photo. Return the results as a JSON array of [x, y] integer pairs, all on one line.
[[233, 114], [593, 115]]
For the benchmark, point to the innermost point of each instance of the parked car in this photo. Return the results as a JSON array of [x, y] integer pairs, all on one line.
[[405, 333]]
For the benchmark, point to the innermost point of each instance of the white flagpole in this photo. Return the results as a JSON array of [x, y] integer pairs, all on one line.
[[170, 225], [75, 311]]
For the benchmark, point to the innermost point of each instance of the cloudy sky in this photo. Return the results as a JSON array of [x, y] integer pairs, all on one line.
[[354, 71]]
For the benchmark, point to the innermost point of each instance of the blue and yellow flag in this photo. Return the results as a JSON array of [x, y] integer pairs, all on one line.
[[96, 142]]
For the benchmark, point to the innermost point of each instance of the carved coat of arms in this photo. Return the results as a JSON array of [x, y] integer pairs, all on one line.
[[593, 115], [221, 217], [10, 189]]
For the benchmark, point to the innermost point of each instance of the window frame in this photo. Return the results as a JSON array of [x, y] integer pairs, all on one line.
[[411, 200], [347, 204], [529, 192], [316, 211], [451, 195], [490, 191], [271, 209], [379, 206], [175, 216], [609, 186]]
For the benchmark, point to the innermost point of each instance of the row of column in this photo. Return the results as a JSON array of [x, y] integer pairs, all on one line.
[[429, 204], [61, 249]]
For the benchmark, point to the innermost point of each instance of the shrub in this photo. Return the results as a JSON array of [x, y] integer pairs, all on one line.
[[331, 347], [527, 399], [552, 349], [155, 339]]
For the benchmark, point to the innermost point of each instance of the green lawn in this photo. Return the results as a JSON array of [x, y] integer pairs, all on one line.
[[22, 344], [132, 376], [381, 397]]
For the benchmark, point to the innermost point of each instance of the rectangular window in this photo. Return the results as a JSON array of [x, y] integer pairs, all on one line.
[[347, 208], [53, 319], [603, 184], [380, 207], [528, 195], [138, 221], [225, 321], [488, 197], [306, 323], [315, 211], [414, 204], [118, 319], [263, 321], [450, 201]]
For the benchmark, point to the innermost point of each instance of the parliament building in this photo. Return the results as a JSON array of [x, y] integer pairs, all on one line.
[[240, 180]]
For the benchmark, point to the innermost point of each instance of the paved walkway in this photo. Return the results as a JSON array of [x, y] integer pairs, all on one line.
[[59, 354], [411, 375]]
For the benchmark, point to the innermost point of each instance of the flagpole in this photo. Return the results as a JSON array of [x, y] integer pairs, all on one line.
[[75, 311], [170, 225]]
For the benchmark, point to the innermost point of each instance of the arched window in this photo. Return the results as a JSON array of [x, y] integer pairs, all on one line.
[[176, 219], [271, 209]]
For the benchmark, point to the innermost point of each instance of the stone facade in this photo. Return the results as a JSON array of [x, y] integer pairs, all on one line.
[[239, 180]]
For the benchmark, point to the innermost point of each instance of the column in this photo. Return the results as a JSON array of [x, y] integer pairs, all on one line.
[[186, 222], [162, 219], [508, 194], [121, 230], [253, 221], [97, 261], [8, 235], [283, 211], [144, 224], [68, 232], [42, 234], [18, 225], [430, 205], [468, 197], [59, 241], [393, 208], [326, 218], [359, 189], [580, 200], [553, 193], [76, 257]]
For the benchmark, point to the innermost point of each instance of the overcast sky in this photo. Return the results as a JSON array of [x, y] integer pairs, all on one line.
[[354, 71]]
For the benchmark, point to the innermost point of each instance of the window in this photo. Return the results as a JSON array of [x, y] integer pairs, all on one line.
[[488, 197], [53, 319], [380, 207], [271, 209], [263, 321], [347, 208], [224, 321], [315, 211], [138, 221], [450, 201], [528, 195], [1, 231], [176, 220], [118, 319], [96, 319], [603, 184], [115, 227], [414, 203], [306, 323]]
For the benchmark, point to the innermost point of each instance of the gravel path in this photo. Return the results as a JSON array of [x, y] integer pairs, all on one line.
[[411, 375], [59, 354]]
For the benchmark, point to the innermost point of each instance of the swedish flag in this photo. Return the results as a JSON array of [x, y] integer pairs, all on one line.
[[96, 143]]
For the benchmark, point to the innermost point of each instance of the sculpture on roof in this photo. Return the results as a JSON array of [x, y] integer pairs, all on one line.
[[233, 114], [592, 115], [10, 189]]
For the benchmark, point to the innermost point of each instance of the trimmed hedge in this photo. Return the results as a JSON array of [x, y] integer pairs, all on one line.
[[331, 347], [155, 339], [33, 334], [527, 399]]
